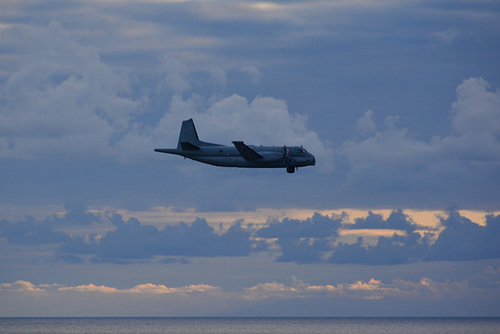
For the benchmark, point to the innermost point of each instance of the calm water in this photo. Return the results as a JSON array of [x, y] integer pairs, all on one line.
[[249, 325]]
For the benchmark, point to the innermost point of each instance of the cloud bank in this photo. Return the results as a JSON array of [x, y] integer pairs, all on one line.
[[259, 299], [314, 240]]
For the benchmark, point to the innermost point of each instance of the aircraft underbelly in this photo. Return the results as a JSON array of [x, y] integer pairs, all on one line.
[[234, 161]]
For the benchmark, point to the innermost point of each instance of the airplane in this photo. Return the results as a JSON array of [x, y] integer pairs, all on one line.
[[239, 155]]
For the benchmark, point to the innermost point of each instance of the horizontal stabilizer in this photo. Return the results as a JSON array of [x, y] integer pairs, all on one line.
[[188, 146], [246, 152]]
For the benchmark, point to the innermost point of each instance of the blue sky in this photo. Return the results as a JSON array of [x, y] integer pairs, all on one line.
[[398, 100]]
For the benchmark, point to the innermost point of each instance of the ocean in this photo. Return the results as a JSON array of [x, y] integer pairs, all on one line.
[[248, 325]]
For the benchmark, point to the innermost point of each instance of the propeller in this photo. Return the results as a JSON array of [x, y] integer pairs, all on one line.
[[286, 156], [287, 160]]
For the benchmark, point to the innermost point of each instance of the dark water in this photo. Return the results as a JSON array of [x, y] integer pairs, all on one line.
[[249, 325]]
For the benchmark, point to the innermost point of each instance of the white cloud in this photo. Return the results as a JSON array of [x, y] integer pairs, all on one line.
[[23, 297], [270, 290], [146, 288], [90, 288], [62, 100], [175, 73], [253, 72], [372, 289], [390, 146], [366, 125], [21, 286], [475, 121], [447, 36]]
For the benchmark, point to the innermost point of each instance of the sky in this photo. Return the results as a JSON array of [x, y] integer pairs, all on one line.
[[399, 101]]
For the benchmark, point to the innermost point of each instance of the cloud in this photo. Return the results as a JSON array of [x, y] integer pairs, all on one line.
[[463, 239], [395, 160], [448, 36], [90, 288], [303, 241], [77, 214], [133, 241], [253, 72], [21, 286], [356, 297], [475, 120], [30, 232], [372, 289], [130, 240], [146, 288], [365, 125], [312, 240], [274, 290], [460, 240], [318, 226], [397, 220], [162, 289], [397, 249], [62, 100], [476, 124]]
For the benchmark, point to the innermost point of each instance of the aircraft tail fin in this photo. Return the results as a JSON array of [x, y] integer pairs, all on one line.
[[188, 138]]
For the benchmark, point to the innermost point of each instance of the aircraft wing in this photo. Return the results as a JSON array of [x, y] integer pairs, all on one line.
[[246, 152]]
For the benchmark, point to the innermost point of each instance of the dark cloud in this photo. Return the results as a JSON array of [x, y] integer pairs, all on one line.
[[132, 241], [460, 240], [69, 258], [397, 220], [77, 214], [30, 232], [397, 249], [79, 245], [303, 241], [463, 239], [318, 226], [302, 250], [313, 240], [33, 232]]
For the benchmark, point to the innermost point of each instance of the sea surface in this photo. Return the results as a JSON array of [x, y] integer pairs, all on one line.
[[249, 325]]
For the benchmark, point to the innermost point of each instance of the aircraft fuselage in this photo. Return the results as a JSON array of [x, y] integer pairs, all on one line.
[[239, 155], [229, 156]]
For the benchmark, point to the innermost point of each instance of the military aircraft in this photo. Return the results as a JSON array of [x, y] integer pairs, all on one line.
[[239, 155]]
